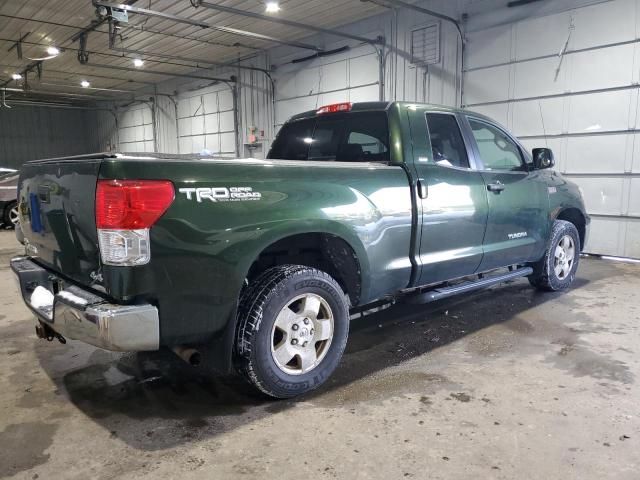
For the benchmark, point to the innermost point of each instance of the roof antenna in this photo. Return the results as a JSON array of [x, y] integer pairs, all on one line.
[[319, 86], [544, 131]]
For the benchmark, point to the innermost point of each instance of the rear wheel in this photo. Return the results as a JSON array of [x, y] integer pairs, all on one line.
[[293, 324], [557, 269], [10, 216]]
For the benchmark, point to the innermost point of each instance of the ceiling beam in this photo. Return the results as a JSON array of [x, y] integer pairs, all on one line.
[[96, 89], [132, 26], [93, 75], [53, 93], [197, 61], [197, 23], [137, 70], [426, 11], [168, 74], [282, 21]]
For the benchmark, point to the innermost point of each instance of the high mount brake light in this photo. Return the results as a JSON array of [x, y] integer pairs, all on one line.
[[335, 108], [125, 211]]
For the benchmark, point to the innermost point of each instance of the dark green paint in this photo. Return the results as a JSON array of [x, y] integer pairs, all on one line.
[[201, 252]]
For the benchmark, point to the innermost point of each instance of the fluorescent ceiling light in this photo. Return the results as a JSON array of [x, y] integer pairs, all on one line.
[[137, 62], [53, 51], [272, 7], [16, 76], [85, 84]]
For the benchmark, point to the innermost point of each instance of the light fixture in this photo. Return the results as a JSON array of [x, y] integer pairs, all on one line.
[[138, 62], [272, 7], [53, 51], [16, 76], [85, 84]]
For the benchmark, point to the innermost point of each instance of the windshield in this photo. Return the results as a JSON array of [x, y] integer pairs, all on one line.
[[351, 137]]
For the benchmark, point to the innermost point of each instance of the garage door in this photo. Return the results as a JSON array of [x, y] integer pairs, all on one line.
[[349, 77], [135, 129], [206, 122], [582, 103]]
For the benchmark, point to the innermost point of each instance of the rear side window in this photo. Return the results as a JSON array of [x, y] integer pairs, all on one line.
[[446, 141], [293, 140], [497, 150], [352, 137]]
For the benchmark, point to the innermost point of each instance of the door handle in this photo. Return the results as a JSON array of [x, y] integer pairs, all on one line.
[[423, 191], [496, 187]]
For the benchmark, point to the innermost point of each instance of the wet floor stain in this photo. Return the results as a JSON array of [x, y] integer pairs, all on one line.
[[15, 457], [461, 397], [579, 361], [155, 401]]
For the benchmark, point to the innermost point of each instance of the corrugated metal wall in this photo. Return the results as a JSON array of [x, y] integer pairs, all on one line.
[[28, 133], [201, 117], [354, 75], [206, 121], [582, 104]]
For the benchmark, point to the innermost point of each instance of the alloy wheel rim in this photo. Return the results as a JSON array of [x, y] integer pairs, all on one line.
[[302, 334], [13, 215], [564, 257]]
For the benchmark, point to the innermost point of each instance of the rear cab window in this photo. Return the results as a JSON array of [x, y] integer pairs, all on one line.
[[447, 145], [342, 137]]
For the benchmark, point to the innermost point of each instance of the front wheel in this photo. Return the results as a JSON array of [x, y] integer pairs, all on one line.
[[293, 323], [10, 216], [557, 269]]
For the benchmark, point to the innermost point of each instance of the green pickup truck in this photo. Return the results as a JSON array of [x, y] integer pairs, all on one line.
[[256, 265]]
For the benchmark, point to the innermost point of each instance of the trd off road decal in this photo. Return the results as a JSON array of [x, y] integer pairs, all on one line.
[[221, 194]]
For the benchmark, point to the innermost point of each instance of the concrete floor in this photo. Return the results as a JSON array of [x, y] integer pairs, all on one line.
[[504, 383]]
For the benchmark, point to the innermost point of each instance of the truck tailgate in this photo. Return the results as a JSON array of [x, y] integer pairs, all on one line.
[[57, 214]]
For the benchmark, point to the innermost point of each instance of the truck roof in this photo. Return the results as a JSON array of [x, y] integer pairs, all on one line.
[[381, 106]]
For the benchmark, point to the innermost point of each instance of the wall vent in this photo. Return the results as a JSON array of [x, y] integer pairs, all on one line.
[[425, 45]]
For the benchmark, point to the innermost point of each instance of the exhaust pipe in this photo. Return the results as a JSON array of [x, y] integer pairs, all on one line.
[[189, 355]]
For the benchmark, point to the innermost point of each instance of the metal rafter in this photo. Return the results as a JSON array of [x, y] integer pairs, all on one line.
[[197, 23], [133, 26], [426, 11], [282, 21], [138, 70], [168, 74], [197, 61]]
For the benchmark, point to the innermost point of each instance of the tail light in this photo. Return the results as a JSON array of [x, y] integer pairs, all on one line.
[[125, 211], [335, 108]]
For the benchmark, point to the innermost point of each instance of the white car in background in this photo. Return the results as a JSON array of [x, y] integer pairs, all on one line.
[[8, 197]]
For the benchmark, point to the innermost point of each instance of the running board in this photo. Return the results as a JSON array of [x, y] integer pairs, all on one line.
[[444, 292]]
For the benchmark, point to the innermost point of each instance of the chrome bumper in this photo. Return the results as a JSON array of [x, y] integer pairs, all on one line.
[[81, 315]]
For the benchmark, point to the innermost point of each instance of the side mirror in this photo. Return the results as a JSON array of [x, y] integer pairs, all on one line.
[[542, 158]]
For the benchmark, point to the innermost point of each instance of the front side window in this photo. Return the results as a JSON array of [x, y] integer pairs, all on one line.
[[351, 137], [446, 141], [497, 150]]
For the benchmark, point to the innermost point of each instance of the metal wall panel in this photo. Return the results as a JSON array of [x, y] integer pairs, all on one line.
[[206, 121], [28, 133], [135, 129], [308, 85], [583, 104]]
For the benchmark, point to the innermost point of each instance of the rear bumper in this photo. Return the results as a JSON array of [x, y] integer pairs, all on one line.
[[81, 315]]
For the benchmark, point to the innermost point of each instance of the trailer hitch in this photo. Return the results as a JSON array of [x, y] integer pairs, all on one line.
[[47, 333]]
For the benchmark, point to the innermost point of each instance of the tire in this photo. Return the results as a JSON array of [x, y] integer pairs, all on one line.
[[10, 215], [556, 270], [273, 325]]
